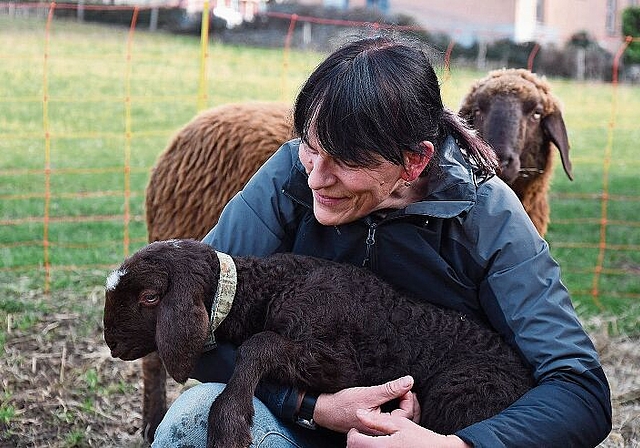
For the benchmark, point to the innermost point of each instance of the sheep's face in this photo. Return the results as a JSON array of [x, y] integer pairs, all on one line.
[[132, 295], [515, 113], [156, 301], [507, 120]]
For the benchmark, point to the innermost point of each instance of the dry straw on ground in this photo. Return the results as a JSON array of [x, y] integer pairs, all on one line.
[[62, 388]]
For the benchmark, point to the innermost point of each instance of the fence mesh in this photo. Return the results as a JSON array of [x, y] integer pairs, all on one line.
[[64, 213]]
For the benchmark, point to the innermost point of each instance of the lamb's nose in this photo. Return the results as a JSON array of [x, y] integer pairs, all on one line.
[[116, 351]]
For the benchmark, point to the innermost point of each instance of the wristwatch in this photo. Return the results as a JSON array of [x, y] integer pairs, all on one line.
[[305, 414]]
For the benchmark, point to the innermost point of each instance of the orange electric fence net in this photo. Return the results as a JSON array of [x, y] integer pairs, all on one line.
[[86, 109]]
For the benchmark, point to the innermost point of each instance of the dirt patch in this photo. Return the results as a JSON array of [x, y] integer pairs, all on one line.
[[61, 388]]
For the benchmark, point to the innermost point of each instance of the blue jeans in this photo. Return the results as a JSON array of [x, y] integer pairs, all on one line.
[[185, 425]]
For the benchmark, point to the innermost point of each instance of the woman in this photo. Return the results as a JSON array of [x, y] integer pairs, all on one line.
[[384, 176]]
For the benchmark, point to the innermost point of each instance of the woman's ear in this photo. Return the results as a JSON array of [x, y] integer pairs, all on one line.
[[415, 163]]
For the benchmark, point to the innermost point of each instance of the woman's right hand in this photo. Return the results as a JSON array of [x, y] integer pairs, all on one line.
[[338, 411], [397, 432]]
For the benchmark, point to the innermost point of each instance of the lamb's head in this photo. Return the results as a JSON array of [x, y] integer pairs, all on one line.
[[515, 112], [156, 301]]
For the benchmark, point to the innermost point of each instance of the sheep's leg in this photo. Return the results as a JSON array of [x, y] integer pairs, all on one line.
[[154, 403], [231, 414]]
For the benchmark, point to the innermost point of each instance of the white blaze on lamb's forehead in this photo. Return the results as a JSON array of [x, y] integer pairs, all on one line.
[[174, 242], [114, 278]]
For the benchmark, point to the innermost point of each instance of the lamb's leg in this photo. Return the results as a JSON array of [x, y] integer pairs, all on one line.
[[231, 414], [154, 403]]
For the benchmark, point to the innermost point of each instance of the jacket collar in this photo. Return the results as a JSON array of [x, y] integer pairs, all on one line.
[[452, 187]]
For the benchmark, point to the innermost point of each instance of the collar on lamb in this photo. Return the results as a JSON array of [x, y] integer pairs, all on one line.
[[225, 293]]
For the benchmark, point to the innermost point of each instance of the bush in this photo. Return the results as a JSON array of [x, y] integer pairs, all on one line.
[[631, 27], [580, 58]]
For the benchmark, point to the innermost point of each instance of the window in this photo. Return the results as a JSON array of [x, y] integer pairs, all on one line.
[[610, 24], [540, 11]]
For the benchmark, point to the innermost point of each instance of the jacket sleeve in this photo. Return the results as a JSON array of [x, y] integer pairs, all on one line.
[[524, 299], [255, 222]]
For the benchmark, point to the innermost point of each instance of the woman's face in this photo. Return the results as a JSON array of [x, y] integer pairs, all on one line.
[[342, 193]]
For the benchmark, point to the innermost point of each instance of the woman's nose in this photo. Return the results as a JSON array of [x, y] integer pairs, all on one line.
[[320, 171]]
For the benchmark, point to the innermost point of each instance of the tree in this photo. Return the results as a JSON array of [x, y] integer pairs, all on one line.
[[631, 27]]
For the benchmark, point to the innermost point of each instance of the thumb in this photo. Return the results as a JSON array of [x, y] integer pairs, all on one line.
[[395, 388]]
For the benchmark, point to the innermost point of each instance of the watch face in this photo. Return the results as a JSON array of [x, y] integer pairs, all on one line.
[[309, 424]]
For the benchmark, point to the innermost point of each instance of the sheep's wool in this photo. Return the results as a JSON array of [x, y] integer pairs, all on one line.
[[114, 278]]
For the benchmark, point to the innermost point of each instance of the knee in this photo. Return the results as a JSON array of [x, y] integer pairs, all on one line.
[[186, 421]]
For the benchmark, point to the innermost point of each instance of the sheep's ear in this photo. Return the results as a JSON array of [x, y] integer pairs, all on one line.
[[181, 330], [465, 111], [557, 132]]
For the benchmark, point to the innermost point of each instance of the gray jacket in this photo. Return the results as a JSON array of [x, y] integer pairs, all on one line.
[[469, 245]]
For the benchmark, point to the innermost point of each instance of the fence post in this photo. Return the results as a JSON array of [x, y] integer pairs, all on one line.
[[481, 61], [602, 247], [287, 48], [204, 54], [532, 55], [153, 19], [80, 11]]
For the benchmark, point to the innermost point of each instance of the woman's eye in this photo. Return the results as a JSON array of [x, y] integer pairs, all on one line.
[[347, 165]]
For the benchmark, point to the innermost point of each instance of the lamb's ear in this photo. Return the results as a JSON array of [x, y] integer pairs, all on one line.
[[181, 329], [557, 132]]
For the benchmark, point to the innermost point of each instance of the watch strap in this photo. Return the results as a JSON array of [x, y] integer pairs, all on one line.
[[307, 407]]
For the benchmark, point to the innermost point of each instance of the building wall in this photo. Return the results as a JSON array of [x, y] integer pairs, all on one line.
[[468, 20], [568, 17]]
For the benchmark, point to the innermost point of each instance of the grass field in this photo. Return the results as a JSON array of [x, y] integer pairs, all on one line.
[[102, 100], [114, 99]]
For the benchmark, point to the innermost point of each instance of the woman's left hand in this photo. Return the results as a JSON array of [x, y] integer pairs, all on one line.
[[338, 411], [397, 432]]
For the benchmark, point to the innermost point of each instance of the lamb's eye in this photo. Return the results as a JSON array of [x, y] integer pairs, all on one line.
[[149, 298], [536, 115]]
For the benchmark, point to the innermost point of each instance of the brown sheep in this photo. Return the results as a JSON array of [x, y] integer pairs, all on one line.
[[203, 166], [166, 297], [515, 112], [220, 147]]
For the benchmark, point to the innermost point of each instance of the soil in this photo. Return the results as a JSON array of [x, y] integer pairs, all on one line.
[[61, 388]]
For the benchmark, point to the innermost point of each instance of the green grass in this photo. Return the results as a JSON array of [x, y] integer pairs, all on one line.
[[104, 107]]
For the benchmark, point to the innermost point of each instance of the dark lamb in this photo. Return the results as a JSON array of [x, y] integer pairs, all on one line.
[[206, 162], [313, 324]]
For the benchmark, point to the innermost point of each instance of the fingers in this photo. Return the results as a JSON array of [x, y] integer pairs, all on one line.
[[355, 439], [417, 412], [408, 407], [396, 388], [376, 423]]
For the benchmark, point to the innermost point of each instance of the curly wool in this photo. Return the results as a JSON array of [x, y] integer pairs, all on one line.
[[206, 162]]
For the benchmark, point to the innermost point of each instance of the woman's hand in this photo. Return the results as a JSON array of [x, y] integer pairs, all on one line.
[[398, 432], [338, 411]]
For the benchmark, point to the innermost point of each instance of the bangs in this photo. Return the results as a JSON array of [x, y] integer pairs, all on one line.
[[364, 104], [346, 111]]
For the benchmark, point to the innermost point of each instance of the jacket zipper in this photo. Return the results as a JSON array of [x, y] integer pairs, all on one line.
[[370, 242]]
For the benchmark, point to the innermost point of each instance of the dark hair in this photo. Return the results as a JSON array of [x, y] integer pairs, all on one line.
[[380, 96]]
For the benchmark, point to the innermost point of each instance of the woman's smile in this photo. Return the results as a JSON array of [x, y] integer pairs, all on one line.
[[328, 200]]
